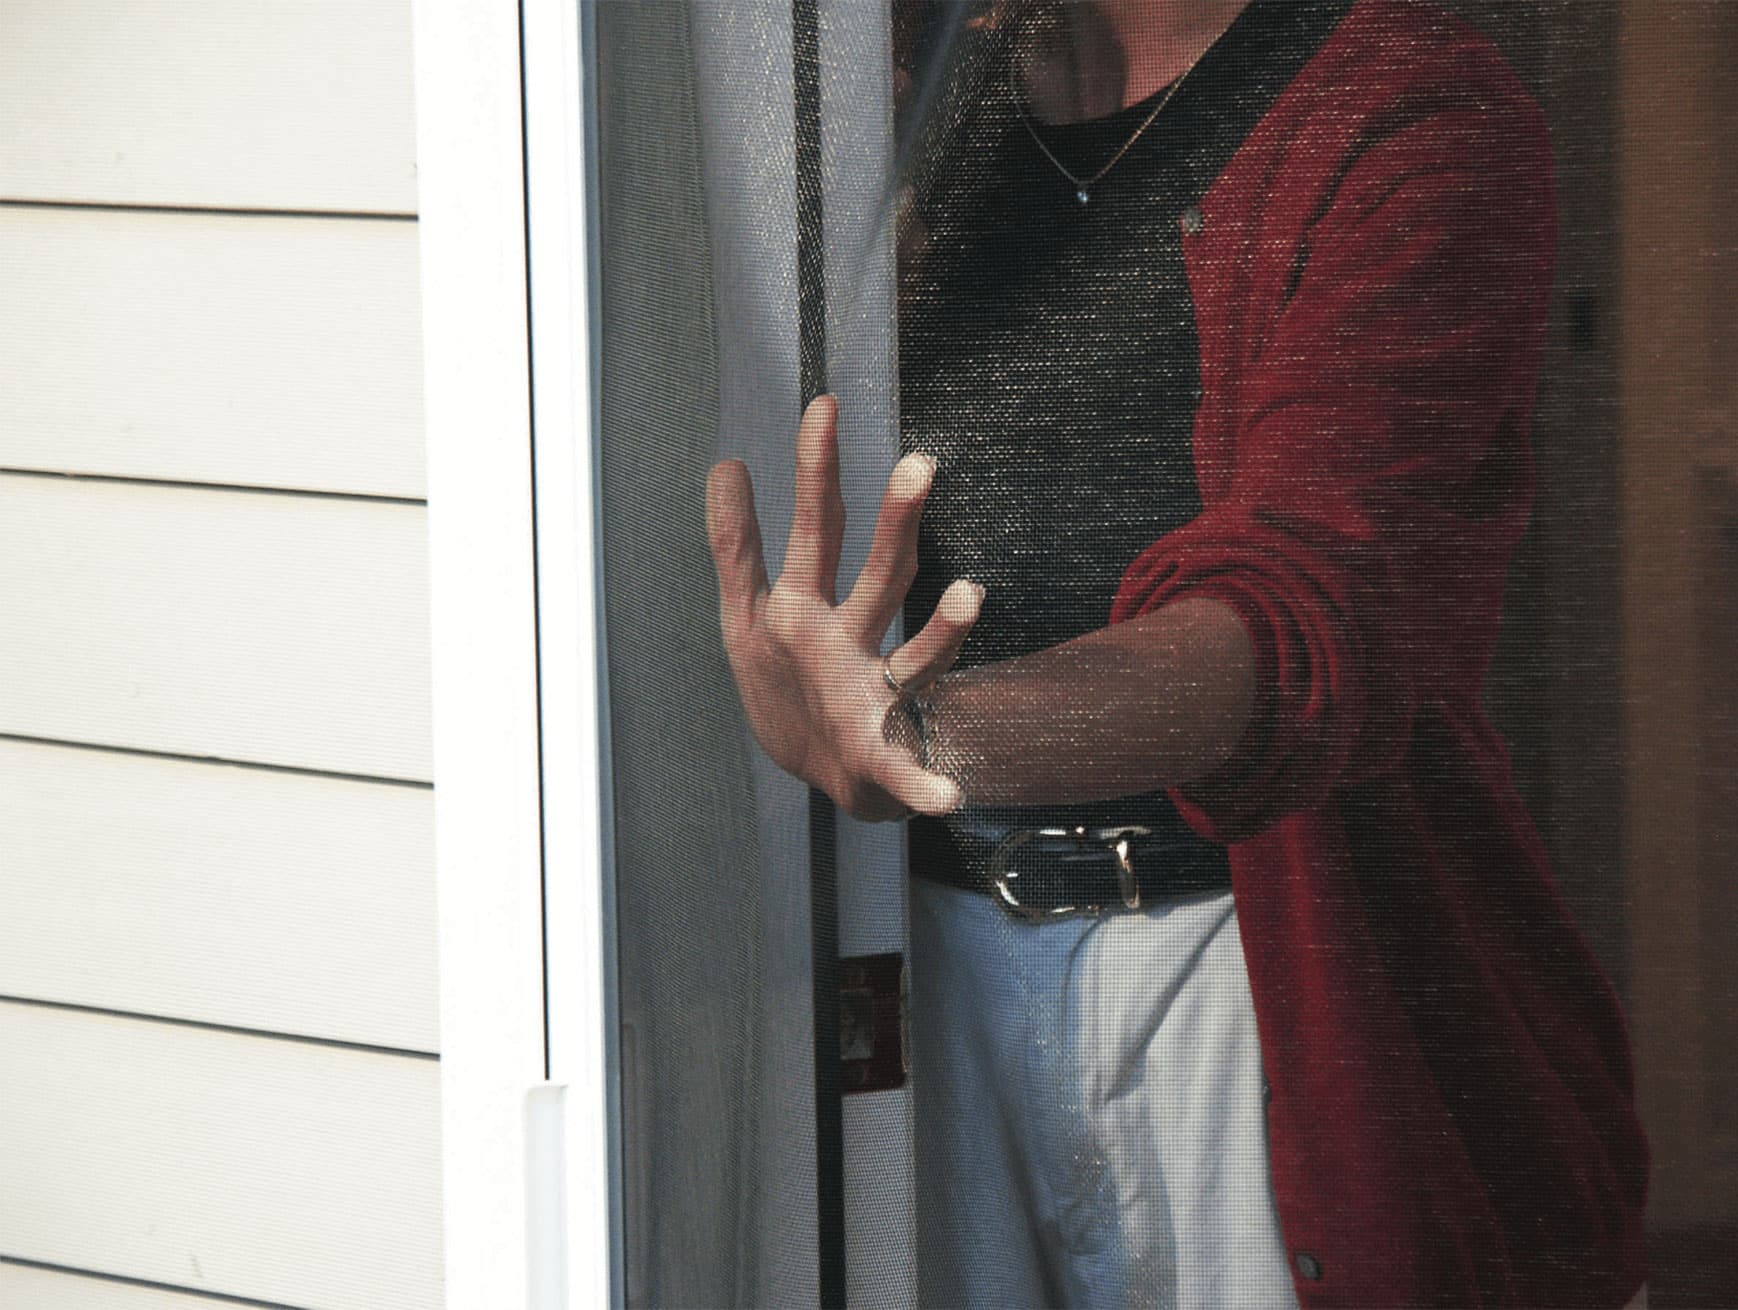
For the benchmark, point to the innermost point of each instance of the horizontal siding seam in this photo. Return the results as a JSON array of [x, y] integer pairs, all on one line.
[[142, 207], [183, 484], [219, 760], [203, 1025], [222, 1298]]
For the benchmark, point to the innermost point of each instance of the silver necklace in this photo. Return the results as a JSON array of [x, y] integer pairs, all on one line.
[[1083, 185]]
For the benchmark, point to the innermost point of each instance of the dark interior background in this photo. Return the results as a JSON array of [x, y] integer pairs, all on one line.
[[1617, 679]]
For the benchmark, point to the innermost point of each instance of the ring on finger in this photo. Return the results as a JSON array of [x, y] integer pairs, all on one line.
[[894, 684]]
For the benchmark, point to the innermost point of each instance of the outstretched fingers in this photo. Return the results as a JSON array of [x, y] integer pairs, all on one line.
[[818, 526], [933, 651], [734, 532], [892, 564]]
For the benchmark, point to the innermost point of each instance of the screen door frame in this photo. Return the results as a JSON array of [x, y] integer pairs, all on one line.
[[527, 1082], [531, 1146]]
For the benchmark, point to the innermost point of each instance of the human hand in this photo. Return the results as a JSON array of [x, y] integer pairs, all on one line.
[[808, 667]]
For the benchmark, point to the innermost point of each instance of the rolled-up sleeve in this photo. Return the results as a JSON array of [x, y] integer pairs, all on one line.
[[1379, 466]]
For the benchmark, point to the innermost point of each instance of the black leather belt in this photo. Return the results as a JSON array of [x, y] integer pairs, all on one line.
[[1050, 862]]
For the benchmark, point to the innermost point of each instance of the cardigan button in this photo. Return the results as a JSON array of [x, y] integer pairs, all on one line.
[[1193, 220], [1309, 1266]]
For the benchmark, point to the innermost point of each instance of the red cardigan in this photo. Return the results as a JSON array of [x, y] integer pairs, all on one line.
[[1452, 1118]]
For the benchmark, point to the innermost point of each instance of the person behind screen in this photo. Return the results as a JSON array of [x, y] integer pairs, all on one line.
[[1217, 370]]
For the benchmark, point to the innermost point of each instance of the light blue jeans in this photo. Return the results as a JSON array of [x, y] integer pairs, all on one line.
[[1089, 1110]]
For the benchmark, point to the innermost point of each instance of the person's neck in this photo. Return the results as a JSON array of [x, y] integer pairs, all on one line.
[[1082, 59]]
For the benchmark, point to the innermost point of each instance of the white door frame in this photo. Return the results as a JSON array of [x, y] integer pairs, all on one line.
[[526, 1033]]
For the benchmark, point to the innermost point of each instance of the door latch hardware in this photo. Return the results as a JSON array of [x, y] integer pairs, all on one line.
[[874, 1022]]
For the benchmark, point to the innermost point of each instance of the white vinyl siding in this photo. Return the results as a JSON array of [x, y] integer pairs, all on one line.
[[247, 349], [219, 1018], [246, 897], [289, 630], [233, 104], [298, 1173]]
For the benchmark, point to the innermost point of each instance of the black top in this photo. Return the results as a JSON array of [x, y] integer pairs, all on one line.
[[1048, 354], [1048, 361]]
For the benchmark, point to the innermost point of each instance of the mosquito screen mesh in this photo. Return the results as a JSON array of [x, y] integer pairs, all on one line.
[[1070, 850], [698, 361]]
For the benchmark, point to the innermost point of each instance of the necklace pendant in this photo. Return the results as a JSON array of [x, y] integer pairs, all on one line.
[[1081, 195]]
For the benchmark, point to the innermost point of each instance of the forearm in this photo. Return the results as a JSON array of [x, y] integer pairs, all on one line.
[[1147, 703]]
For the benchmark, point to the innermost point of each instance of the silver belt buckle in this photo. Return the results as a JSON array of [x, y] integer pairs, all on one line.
[[1117, 839]]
